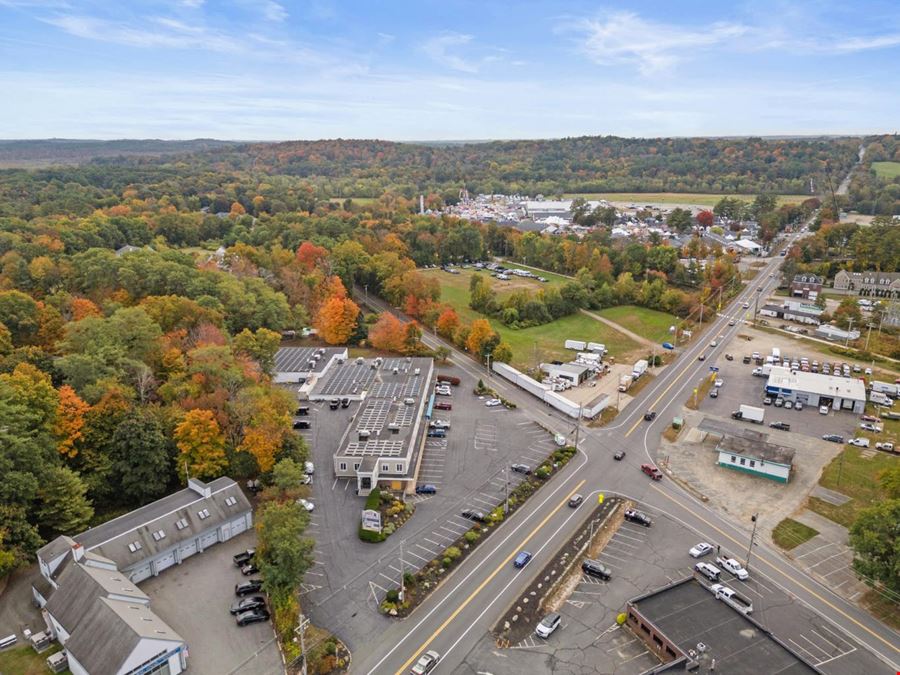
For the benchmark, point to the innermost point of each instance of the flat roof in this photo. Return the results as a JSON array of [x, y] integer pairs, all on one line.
[[816, 383], [297, 359], [688, 614], [767, 452]]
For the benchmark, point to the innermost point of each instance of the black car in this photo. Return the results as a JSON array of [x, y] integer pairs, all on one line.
[[834, 438], [575, 500], [253, 616], [472, 514], [746, 359], [244, 557], [714, 393], [426, 489], [702, 357], [781, 426], [334, 404], [248, 604], [638, 517], [595, 568], [345, 402], [521, 468], [248, 587], [302, 424], [436, 433], [302, 411], [729, 357], [650, 416], [249, 569], [619, 455]]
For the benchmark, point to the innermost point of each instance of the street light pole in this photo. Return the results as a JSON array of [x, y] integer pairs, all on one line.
[[402, 581], [754, 518], [506, 503], [871, 326], [301, 629], [849, 328]]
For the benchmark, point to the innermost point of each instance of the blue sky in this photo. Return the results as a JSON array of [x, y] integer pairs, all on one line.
[[420, 70]]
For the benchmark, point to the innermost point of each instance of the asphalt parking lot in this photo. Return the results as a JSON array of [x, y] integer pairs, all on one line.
[[194, 599], [644, 559]]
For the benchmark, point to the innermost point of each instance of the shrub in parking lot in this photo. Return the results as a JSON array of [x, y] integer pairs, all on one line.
[[471, 536], [542, 471], [393, 595], [371, 536], [446, 562], [452, 552], [496, 515], [373, 501]]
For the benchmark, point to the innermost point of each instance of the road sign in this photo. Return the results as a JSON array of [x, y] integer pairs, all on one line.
[[715, 369], [600, 498], [371, 520]]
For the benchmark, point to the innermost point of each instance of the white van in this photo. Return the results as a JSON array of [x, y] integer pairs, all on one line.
[[711, 572]]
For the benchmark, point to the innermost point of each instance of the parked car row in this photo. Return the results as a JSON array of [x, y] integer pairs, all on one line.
[[250, 608]]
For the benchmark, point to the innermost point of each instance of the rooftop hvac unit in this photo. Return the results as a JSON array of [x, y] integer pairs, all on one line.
[[58, 662], [394, 427], [360, 360], [364, 434], [396, 370]]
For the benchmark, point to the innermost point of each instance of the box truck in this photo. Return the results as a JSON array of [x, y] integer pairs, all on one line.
[[749, 413], [625, 382], [886, 388], [639, 368], [577, 345]]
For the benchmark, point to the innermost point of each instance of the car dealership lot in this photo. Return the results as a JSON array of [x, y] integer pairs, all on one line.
[[644, 559]]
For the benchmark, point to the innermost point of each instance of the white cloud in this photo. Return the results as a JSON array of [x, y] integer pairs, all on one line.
[[167, 33], [442, 50], [858, 44], [273, 11], [624, 37], [192, 4]]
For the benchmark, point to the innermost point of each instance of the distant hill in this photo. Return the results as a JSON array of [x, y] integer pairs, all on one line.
[[60, 151]]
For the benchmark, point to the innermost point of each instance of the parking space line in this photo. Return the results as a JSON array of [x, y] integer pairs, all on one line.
[[635, 656], [604, 554], [811, 656], [615, 550], [483, 501], [846, 642], [813, 644], [627, 536], [416, 555], [443, 536], [819, 548], [839, 553], [623, 543], [427, 550], [624, 644], [386, 577], [453, 532], [430, 541]]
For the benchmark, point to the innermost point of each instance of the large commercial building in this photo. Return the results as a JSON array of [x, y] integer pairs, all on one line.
[[689, 630], [303, 365], [388, 400], [838, 393], [870, 284]]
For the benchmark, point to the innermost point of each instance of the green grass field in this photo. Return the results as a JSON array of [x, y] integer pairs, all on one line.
[[789, 534], [25, 661], [540, 343], [552, 276], [888, 170], [855, 476], [695, 198], [649, 323]]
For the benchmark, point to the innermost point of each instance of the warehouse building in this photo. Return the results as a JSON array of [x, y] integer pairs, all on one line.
[[755, 457], [303, 365], [838, 393], [161, 534], [572, 372]]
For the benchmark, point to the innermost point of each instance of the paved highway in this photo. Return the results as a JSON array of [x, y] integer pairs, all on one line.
[[468, 603]]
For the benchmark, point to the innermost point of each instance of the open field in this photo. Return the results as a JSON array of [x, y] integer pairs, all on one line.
[[888, 170], [650, 323], [552, 276], [694, 198], [25, 661], [789, 533], [539, 343]]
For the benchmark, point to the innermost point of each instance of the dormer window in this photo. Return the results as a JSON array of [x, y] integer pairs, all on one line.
[[204, 514], [230, 501], [181, 523], [159, 535], [135, 546]]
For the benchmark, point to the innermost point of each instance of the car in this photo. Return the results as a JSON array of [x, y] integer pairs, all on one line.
[[779, 402], [522, 559], [702, 357], [767, 401], [441, 405], [781, 426], [426, 663], [719, 383], [823, 409], [521, 468], [859, 442], [619, 455], [745, 360], [652, 471], [547, 625], [711, 572], [639, 517], [472, 514], [798, 406], [443, 392], [713, 344], [788, 404], [731, 323], [729, 357], [650, 415], [302, 411], [439, 424], [345, 402], [252, 616], [868, 426], [244, 557], [700, 550], [249, 569], [306, 504], [436, 433], [426, 489], [868, 418], [734, 567], [302, 424], [759, 289], [746, 305], [334, 403], [247, 587], [834, 438], [309, 468], [247, 604], [493, 402], [887, 447], [576, 500], [714, 393], [595, 568]]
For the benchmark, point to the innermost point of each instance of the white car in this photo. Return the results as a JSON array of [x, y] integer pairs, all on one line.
[[733, 566], [888, 447], [494, 402], [547, 625], [713, 343], [823, 409], [868, 426], [731, 323], [746, 305], [859, 442], [439, 424], [306, 504], [426, 663], [719, 383], [700, 550]]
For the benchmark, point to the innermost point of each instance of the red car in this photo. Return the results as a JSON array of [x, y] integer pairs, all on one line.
[[440, 405], [869, 418], [652, 471]]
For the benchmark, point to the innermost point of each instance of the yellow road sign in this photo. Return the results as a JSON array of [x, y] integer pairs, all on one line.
[[600, 498]]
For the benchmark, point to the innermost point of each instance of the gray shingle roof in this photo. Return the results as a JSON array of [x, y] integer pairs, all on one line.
[[112, 539], [52, 550]]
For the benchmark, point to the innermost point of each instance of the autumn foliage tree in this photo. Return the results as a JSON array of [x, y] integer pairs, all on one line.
[[309, 256], [480, 336], [447, 323], [706, 218], [387, 333], [70, 414], [336, 320], [201, 445]]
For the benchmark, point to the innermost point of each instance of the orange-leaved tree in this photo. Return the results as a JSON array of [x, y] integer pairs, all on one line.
[[309, 255], [336, 320], [479, 335], [447, 323], [387, 333], [70, 421], [201, 444]]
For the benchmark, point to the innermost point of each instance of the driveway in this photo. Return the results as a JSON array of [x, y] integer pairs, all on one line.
[[194, 598]]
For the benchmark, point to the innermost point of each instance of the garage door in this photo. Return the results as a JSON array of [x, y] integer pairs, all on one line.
[[208, 539], [165, 562], [238, 526], [140, 573], [187, 549]]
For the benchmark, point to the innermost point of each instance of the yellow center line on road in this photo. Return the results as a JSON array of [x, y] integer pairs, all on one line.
[[659, 398], [488, 580], [782, 573]]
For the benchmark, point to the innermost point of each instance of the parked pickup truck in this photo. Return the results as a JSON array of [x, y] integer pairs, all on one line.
[[733, 566], [732, 598], [886, 447]]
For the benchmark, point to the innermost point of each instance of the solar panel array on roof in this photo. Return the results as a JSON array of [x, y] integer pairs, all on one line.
[[387, 390], [374, 449], [348, 380], [303, 359], [373, 416]]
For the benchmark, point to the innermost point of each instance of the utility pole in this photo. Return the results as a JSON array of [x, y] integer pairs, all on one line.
[[754, 518], [506, 503], [489, 364], [366, 287], [302, 623], [402, 580], [849, 328], [578, 425], [756, 306], [871, 326], [840, 468]]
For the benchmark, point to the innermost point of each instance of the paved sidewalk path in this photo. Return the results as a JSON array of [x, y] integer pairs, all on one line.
[[612, 324]]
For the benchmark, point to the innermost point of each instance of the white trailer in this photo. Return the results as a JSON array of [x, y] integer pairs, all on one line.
[[577, 345], [776, 353], [625, 382], [749, 413], [639, 368], [598, 347], [886, 388], [590, 358]]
